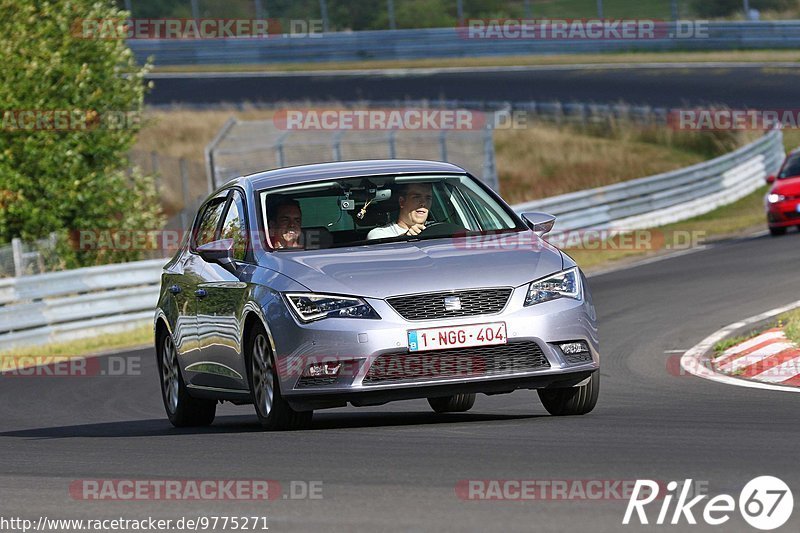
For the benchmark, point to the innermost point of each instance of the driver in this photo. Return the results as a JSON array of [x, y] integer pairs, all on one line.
[[415, 201], [286, 223]]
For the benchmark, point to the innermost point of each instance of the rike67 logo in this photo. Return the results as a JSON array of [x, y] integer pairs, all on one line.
[[765, 503]]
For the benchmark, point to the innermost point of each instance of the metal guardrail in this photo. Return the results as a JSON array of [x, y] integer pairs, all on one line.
[[78, 303], [449, 43], [88, 301], [668, 197]]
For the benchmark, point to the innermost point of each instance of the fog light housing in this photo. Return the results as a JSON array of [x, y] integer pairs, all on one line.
[[329, 369], [573, 348]]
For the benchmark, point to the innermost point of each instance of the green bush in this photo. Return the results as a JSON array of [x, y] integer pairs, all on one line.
[[62, 180]]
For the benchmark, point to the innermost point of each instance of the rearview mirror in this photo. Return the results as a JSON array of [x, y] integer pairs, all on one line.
[[220, 252], [540, 223], [770, 179]]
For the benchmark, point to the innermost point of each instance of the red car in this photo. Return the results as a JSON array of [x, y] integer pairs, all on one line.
[[783, 198]]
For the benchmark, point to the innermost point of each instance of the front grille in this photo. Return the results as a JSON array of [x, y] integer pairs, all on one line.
[[456, 363], [791, 215], [318, 381], [580, 357], [431, 306]]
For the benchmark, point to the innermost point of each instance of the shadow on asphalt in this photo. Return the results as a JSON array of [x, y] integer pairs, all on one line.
[[246, 424]]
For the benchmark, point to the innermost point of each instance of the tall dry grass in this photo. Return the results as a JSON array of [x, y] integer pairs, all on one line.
[[546, 160], [537, 161]]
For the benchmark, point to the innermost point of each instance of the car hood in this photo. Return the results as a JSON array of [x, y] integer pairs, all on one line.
[[382, 270], [787, 186]]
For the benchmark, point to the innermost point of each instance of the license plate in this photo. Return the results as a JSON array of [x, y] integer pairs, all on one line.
[[421, 340]]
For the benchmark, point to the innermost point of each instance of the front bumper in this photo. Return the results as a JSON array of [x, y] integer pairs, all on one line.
[[783, 214], [359, 343]]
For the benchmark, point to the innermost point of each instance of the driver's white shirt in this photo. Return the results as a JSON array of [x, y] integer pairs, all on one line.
[[391, 230]]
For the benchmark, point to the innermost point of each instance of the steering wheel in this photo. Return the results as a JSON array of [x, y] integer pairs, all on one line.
[[443, 229]]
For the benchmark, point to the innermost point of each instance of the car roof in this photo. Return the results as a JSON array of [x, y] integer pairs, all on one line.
[[346, 169]]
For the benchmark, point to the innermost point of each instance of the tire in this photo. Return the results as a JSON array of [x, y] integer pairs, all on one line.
[[182, 409], [572, 400], [458, 403], [775, 232], [273, 411]]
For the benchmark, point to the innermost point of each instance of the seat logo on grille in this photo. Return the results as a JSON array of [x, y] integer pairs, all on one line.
[[452, 303]]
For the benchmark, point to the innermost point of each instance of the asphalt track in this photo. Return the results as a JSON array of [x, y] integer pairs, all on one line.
[[395, 467], [761, 87]]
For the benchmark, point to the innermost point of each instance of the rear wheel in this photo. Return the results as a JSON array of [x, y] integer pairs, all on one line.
[[458, 403], [777, 231], [182, 409], [273, 412], [574, 400]]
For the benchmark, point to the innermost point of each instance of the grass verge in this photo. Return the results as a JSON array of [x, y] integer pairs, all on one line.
[[791, 325], [744, 56], [61, 351]]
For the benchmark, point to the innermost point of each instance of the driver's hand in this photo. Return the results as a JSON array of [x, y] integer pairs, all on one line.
[[416, 229]]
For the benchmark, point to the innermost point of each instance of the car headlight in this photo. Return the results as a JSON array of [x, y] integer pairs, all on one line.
[[310, 306], [564, 284], [775, 198]]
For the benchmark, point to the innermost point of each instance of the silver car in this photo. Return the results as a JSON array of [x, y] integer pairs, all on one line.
[[365, 282]]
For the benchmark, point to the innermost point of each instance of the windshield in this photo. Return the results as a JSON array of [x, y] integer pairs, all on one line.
[[380, 209], [791, 168]]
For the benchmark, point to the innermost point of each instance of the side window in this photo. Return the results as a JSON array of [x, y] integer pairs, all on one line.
[[234, 227], [207, 227]]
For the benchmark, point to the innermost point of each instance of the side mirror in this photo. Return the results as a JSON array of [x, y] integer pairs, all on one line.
[[220, 252], [540, 223], [770, 179]]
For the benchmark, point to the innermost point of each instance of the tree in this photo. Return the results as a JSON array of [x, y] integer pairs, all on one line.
[[62, 178]]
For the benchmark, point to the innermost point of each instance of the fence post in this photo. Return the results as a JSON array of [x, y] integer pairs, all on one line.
[[184, 190], [443, 145], [323, 12], [390, 9], [489, 168], [280, 155], [16, 250], [154, 167], [337, 145], [211, 169], [392, 144]]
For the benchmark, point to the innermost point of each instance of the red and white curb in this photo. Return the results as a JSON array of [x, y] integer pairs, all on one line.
[[769, 358], [767, 361]]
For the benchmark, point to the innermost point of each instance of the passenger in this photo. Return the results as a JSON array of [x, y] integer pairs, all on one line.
[[415, 202], [285, 224]]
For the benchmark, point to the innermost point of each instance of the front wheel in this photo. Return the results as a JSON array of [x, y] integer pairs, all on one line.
[[457, 403], [182, 409], [775, 232], [273, 412], [573, 400]]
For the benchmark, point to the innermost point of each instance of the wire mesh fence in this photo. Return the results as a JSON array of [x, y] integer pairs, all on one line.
[[22, 258], [251, 146]]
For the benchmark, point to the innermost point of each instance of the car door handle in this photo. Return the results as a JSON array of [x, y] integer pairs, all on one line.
[[200, 293], [175, 289]]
